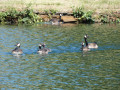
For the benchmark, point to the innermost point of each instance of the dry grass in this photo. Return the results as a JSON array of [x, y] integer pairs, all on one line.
[[62, 5]]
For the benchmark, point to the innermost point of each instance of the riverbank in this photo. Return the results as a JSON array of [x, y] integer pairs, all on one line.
[[98, 6], [84, 11]]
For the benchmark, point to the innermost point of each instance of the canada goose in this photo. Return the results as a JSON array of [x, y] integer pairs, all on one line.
[[43, 50], [84, 48], [56, 21], [17, 50], [49, 50], [90, 45]]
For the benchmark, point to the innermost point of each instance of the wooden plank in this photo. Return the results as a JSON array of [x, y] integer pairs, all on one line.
[[68, 19]]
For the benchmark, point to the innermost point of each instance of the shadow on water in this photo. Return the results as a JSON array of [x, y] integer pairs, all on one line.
[[66, 67]]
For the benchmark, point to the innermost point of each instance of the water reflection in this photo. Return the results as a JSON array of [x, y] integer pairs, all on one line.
[[66, 67]]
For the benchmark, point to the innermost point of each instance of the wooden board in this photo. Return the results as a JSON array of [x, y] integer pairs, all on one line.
[[68, 19]]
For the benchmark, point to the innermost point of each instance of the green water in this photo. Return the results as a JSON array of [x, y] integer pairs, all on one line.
[[66, 67]]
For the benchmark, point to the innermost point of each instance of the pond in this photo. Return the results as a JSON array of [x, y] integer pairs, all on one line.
[[66, 67]]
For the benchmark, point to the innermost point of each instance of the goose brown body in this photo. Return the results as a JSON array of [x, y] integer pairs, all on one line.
[[43, 50], [56, 21], [17, 50], [90, 45], [84, 48]]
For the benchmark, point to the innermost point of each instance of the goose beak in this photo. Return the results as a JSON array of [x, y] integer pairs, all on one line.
[[86, 36]]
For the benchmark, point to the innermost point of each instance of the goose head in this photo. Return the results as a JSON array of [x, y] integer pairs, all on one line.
[[43, 44], [18, 44], [86, 36]]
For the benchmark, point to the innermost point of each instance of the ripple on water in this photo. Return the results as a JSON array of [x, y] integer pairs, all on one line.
[[66, 67]]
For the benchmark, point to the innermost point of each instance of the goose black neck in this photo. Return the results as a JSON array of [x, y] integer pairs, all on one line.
[[18, 47], [60, 18], [39, 47], [82, 47], [86, 41]]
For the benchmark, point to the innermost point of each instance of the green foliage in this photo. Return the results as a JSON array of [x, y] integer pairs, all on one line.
[[85, 17], [12, 13], [51, 3], [30, 17], [111, 17], [13, 16], [50, 11], [104, 19], [118, 20], [78, 12], [2, 16], [107, 19]]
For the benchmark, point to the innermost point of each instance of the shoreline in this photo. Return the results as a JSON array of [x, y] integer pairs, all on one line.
[[110, 17], [14, 16], [40, 11]]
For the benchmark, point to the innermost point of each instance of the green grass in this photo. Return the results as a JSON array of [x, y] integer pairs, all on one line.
[[63, 5], [51, 4]]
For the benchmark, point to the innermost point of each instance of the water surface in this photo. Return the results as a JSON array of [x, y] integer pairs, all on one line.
[[66, 67]]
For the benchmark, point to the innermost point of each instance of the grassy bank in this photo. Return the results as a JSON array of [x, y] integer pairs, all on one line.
[[22, 11], [98, 6]]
